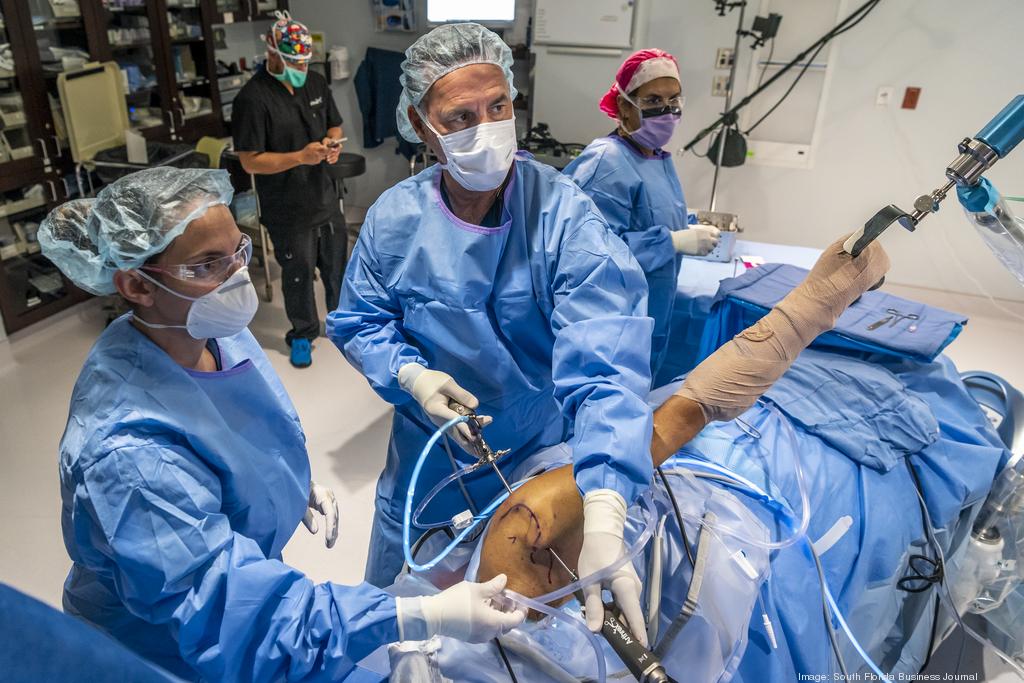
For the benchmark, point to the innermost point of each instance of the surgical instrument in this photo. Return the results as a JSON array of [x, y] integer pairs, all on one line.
[[900, 317], [879, 323], [484, 454], [977, 155], [640, 661]]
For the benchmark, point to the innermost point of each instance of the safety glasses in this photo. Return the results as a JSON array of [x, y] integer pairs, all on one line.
[[214, 271], [655, 105]]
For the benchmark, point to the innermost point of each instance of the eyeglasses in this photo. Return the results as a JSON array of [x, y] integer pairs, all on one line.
[[214, 271], [659, 102]]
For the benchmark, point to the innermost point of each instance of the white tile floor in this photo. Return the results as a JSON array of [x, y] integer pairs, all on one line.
[[346, 424]]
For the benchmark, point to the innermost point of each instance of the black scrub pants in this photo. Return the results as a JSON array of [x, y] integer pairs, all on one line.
[[300, 250]]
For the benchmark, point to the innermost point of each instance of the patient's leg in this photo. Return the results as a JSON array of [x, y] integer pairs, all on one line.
[[547, 512]]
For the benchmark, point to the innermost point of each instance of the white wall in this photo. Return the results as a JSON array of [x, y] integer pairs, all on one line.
[[967, 58]]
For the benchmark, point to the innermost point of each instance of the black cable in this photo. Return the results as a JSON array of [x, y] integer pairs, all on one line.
[[920, 580], [827, 614], [839, 30], [789, 90], [764, 69], [937, 577], [934, 633], [842, 27], [508, 664], [679, 515], [426, 535]]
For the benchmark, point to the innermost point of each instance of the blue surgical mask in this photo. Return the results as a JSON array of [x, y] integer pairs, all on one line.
[[294, 77]]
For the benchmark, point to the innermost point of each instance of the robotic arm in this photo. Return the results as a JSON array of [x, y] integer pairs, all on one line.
[[989, 212]]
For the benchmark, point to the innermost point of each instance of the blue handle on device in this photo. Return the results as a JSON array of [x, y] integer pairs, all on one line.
[[1007, 128]]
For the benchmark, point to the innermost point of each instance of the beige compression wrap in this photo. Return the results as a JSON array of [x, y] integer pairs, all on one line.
[[730, 380]]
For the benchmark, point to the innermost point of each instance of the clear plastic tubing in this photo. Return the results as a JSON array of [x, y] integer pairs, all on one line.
[[799, 532], [743, 484], [535, 604]]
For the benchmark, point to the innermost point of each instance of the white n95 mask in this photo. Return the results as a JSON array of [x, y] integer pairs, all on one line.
[[223, 312], [478, 158]]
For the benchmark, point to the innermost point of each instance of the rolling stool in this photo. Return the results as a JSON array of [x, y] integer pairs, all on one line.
[[348, 166]]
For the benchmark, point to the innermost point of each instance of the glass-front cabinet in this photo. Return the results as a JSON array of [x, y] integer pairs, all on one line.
[[132, 36], [164, 51], [196, 99], [39, 39]]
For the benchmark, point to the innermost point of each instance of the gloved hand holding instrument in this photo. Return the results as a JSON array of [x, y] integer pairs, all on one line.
[[466, 611], [433, 390]]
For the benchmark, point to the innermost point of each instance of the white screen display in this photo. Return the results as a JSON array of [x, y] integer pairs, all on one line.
[[440, 11]]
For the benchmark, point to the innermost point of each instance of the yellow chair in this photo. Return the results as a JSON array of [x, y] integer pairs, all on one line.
[[213, 148]]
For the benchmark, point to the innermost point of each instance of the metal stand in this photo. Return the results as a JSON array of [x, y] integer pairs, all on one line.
[[726, 122]]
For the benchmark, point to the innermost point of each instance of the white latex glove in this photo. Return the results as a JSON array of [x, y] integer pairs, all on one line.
[[696, 240], [604, 519], [322, 500], [465, 611], [433, 389]]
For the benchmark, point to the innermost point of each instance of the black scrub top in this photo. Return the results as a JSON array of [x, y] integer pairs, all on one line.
[[267, 118]]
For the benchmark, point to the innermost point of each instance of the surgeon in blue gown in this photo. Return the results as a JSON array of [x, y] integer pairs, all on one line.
[[633, 181], [492, 280], [183, 468]]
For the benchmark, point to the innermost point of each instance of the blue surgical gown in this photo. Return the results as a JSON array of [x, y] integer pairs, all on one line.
[[643, 202], [543, 318], [179, 490]]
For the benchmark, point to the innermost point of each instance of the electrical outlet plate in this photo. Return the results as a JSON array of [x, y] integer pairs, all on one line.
[[885, 95], [719, 85], [723, 58]]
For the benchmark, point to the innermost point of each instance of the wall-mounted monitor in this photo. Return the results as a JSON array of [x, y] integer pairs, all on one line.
[[488, 12]]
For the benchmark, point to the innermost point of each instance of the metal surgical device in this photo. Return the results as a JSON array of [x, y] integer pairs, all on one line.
[[640, 661], [977, 155]]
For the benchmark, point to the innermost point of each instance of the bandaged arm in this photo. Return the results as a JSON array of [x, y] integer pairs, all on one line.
[[730, 380]]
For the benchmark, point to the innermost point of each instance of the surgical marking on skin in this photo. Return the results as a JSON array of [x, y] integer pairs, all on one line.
[[533, 521], [534, 545]]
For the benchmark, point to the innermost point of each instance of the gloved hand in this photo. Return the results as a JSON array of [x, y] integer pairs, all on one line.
[[604, 519], [465, 611], [697, 240], [322, 500], [737, 374], [433, 389]]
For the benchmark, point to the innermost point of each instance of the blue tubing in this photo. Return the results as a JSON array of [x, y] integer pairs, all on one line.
[[407, 516]]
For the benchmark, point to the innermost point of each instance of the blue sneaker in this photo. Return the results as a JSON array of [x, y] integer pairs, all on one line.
[[302, 353]]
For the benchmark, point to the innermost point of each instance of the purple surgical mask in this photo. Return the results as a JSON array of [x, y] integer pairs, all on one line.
[[655, 131], [656, 128]]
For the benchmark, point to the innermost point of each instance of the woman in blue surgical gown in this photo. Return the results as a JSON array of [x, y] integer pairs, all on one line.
[[633, 181], [183, 468]]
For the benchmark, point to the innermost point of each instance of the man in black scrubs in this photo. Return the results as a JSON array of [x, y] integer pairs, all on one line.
[[287, 129]]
